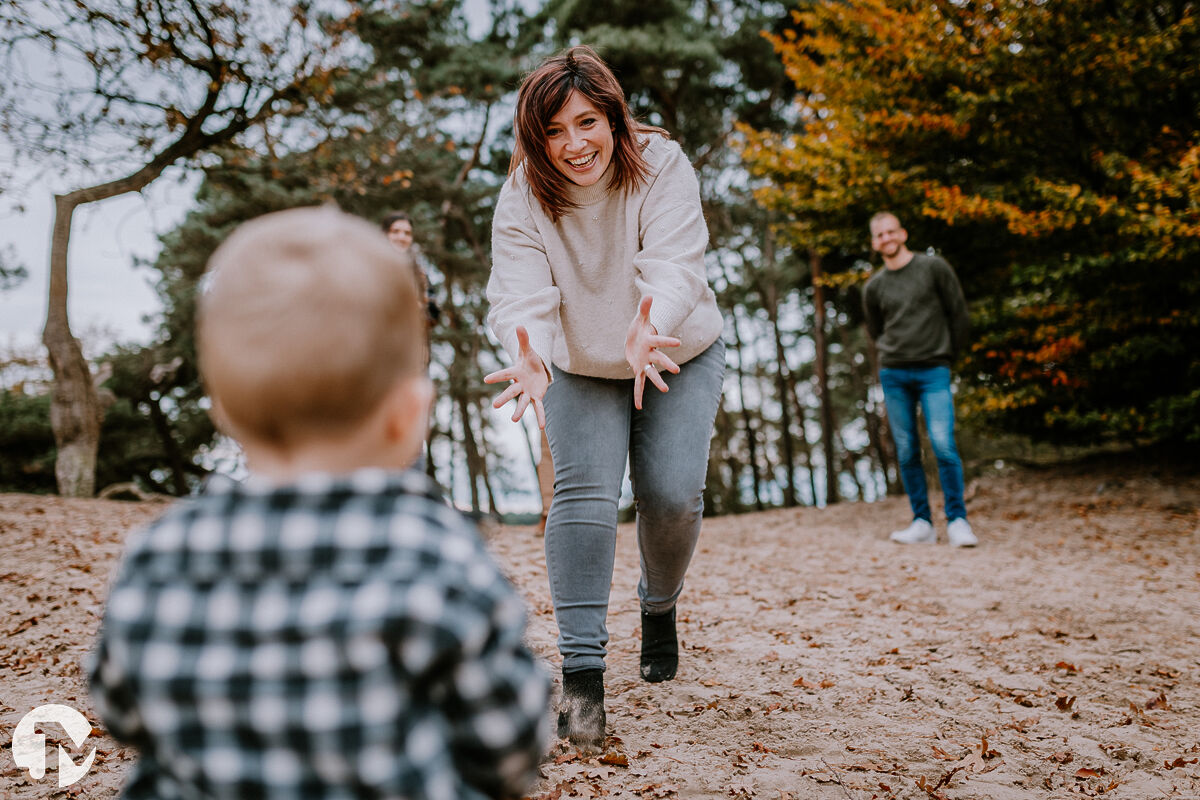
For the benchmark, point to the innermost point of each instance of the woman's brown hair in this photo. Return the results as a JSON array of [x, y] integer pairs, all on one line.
[[543, 93]]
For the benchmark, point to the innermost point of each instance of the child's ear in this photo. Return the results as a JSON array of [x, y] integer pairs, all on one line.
[[408, 412], [219, 419]]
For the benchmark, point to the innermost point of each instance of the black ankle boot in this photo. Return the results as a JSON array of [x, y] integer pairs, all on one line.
[[660, 648], [581, 715]]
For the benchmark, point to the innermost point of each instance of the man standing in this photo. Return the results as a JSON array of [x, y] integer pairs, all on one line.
[[917, 316]]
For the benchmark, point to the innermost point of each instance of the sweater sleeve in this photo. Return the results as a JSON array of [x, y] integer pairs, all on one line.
[[670, 264], [520, 289], [954, 304]]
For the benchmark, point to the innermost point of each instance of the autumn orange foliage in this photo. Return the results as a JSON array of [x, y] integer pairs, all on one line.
[[1051, 151]]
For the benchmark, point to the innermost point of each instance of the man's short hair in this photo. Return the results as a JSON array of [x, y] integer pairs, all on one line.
[[308, 319], [878, 215]]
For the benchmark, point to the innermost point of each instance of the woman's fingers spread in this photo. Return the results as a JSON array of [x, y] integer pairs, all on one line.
[[664, 341], [639, 384], [522, 404], [508, 394], [657, 380], [663, 362], [499, 375], [540, 412]]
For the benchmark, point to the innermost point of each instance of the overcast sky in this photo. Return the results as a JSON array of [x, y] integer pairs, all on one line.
[[108, 297]]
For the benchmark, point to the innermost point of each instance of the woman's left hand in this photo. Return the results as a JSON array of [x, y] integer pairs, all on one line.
[[642, 353]]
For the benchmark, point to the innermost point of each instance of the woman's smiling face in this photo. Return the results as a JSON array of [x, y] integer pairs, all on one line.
[[580, 140]]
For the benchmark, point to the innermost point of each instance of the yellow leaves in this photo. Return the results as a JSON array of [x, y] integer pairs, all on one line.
[[842, 280], [1006, 402], [951, 204], [401, 176], [904, 121]]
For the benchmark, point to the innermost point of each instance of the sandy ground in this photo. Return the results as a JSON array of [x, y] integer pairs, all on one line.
[[1058, 659]]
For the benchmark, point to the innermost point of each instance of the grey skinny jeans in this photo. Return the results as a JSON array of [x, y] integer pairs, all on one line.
[[592, 427]]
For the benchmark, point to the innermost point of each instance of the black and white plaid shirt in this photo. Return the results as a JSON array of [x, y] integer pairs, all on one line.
[[342, 637]]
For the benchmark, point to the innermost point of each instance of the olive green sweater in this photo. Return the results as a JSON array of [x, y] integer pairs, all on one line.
[[576, 284], [917, 314]]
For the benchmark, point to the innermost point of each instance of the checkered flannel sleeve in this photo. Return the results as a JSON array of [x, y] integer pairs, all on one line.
[[319, 641]]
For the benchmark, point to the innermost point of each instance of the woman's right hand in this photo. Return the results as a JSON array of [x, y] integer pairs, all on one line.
[[529, 377]]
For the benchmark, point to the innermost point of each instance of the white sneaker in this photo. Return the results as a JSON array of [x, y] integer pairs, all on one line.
[[959, 533], [920, 532]]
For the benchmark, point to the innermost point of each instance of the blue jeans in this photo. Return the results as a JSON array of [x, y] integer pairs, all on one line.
[[593, 428], [903, 388]]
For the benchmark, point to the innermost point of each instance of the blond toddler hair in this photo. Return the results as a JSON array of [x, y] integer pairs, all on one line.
[[305, 325]]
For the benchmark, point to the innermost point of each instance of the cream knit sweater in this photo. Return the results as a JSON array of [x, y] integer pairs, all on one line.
[[576, 285]]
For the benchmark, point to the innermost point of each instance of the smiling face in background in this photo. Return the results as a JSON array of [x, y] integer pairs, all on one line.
[[580, 140], [400, 233], [887, 236]]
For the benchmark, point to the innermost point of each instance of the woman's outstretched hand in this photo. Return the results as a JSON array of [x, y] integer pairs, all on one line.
[[529, 381], [642, 353]]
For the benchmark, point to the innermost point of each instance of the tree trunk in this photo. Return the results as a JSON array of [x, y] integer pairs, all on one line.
[[75, 411], [862, 377], [744, 412], [782, 383], [747, 423], [805, 446], [887, 448], [849, 465], [770, 296], [483, 451], [822, 370], [472, 450], [175, 458]]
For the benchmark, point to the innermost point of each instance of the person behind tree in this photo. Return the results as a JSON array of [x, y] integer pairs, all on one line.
[[598, 270], [328, 628], [399, 229], [916, 313]]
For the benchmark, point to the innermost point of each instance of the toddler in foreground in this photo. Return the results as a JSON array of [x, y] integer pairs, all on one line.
[[328, 628]]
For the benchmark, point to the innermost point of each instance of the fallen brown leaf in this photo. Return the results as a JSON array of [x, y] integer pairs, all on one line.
[[1159, 702], [978, 760]]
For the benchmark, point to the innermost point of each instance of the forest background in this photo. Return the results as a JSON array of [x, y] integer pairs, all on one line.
[[1049, 150]]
